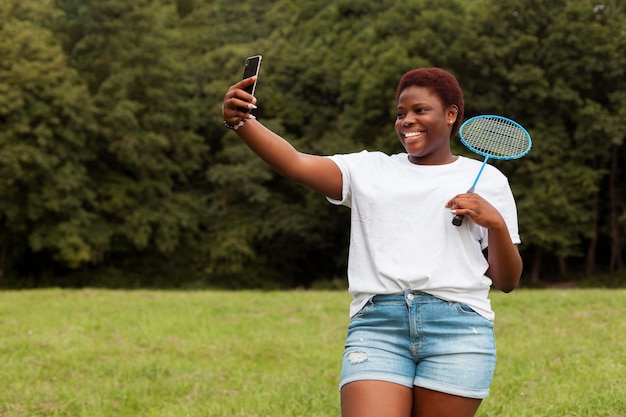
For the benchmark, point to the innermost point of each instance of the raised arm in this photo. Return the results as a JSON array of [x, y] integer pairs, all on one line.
[[316, 172]]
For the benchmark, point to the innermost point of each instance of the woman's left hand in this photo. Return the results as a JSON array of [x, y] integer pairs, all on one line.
[[479, 210]]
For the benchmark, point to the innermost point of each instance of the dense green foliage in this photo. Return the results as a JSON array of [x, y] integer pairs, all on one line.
[[115, 169]]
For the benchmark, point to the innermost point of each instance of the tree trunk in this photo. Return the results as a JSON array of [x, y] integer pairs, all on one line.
[[562, 266], [617, 261], [536, 266], [590, 262], [3, 255]]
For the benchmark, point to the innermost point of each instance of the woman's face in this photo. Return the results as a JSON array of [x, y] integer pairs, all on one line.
[[424, 126]]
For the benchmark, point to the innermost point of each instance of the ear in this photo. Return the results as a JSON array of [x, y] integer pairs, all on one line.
[[451, 114]]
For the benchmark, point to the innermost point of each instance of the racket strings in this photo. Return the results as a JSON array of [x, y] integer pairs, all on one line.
[[496, 137]]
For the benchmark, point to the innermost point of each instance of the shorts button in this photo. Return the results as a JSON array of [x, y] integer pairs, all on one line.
[[410, 296]]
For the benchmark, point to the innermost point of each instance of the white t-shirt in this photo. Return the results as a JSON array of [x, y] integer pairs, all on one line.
[[402, 236]]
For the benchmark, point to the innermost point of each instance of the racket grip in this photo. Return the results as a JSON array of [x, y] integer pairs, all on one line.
[[457, 220]]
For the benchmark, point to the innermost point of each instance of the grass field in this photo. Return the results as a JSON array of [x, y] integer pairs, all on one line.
[[149, 353]]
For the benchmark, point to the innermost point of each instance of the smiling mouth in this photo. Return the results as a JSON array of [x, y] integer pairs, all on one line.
[[410, 135]]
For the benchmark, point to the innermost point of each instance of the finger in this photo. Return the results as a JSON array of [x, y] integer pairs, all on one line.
[[460, 211], [239, 105], [452, 202], [247, 81], [241, 85], [233, 109], [467, 196], [237, 90], [242, 98], [457, 201]]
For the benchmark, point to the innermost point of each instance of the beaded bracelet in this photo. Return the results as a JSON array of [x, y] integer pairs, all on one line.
[[235, 126]]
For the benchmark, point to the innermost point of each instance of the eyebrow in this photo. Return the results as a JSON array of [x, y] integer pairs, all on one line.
[[417, 104]]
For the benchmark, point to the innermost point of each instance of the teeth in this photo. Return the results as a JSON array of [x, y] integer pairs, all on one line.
[[412, 134]]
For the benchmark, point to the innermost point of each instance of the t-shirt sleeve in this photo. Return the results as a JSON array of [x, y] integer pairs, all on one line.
[[345, 163], [495, 187], [508, 209]]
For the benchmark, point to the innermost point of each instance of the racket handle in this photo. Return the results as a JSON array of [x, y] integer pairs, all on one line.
[[457, 220]]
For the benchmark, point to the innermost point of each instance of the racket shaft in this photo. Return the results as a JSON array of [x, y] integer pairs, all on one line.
[[458, 219]]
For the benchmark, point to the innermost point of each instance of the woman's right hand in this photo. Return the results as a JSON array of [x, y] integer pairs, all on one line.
[[317, 172], [236, 101]]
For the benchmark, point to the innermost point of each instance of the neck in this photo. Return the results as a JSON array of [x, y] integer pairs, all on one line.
[[430, 161]]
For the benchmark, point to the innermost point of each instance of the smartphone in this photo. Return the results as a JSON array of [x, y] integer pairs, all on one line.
[[250, 69]]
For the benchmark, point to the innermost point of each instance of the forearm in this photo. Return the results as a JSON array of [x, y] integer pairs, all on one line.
[[316, 172], [270, 147], [505, 262], [313, 171]]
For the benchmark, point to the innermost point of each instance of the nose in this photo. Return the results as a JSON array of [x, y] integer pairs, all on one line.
[[409, 119]]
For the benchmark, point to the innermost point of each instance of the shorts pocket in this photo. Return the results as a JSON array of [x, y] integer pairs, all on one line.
[[364, 310], [466, 310]]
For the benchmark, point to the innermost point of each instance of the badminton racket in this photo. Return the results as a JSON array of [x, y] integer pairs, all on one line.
[[494, 137]]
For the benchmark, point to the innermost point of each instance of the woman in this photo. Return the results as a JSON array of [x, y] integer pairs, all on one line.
[[420, 340]]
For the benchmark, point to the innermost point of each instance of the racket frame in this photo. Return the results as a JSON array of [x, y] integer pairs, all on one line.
[[458, 219]]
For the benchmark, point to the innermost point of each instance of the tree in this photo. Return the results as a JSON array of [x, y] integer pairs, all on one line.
[[549, 54], [113, 154], [148, 113], [46, 117], [584, 63]]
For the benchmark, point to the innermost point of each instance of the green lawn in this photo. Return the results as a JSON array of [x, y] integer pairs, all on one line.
[[209, 353]]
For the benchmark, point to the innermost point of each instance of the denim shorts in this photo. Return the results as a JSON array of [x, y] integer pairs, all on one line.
[[416, 339]]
